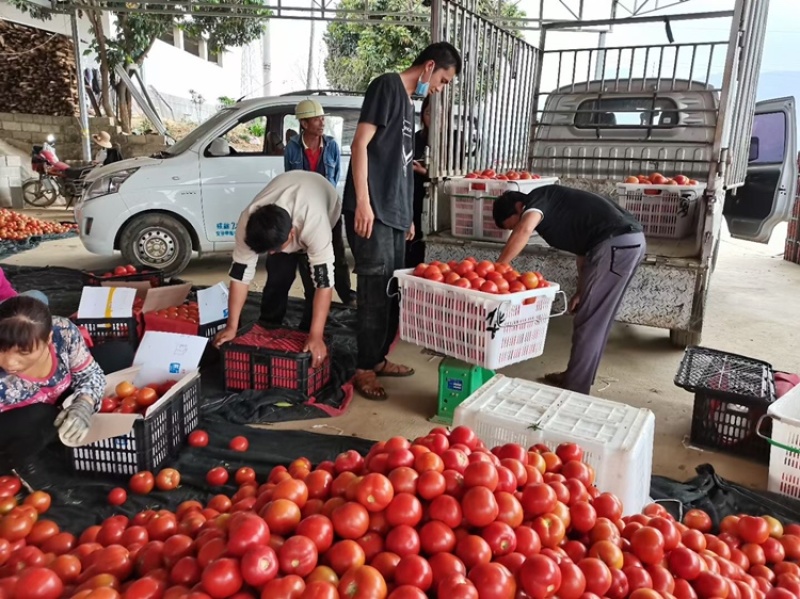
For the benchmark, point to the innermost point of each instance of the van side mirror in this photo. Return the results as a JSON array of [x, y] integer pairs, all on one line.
[[753, 149]]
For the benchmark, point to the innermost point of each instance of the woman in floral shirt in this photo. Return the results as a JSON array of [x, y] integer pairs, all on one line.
[[43, 358]]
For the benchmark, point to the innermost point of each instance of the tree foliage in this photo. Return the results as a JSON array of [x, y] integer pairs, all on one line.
[[134, 34], [357, 52]]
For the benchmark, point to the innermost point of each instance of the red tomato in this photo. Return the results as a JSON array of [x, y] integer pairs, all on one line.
[[217, 476], [404, 509], [222, 578], [246, 530], [142, 483], [540, 577], [168, 479], [528, 542], [698, 520], [481, 474], [415, 571], [38, 583], [685, 563], [436, 537], [648, 545], [364, 582], [239, 443], [753, 529], [479, 506], [344, 556], [351, 520], [117, 496], [501, 538], [288, 587], [569, 452], [444, 565], [403, 540], [608, 506], [298, 555], [375, 492], [245, 475], [551, 530], [446, 509], [319, 529], [598, 576], [282, 516], [538, 499], [473, 550], [198, 438], [710, 585]]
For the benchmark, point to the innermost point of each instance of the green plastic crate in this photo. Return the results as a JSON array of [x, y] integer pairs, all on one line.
[[457, 381]]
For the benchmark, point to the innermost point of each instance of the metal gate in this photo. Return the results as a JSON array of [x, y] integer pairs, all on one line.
[[483, 119]]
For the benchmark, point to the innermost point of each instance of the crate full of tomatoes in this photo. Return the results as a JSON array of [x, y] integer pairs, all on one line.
[[472, 200], [483, 313], [262, 358], [123, 273], [204, 318], [148, 411], [117, 311], [666, 207]]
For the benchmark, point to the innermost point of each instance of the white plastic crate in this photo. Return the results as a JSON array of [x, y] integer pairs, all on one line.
[[664, 210], [479, 328], [617, 439], [784, 452], [471, 202]]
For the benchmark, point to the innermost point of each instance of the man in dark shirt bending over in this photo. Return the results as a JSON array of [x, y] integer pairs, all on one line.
[[378, 203], [609, 245]]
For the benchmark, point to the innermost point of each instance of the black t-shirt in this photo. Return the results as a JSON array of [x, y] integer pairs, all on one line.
[[390, 153], [576, 221]]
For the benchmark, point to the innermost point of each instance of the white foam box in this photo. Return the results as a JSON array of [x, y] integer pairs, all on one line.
[[617, 439]]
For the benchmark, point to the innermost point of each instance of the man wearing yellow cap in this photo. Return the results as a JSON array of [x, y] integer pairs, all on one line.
[[312, 150]]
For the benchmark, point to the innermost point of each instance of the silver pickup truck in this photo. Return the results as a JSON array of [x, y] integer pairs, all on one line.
[[622, 111]]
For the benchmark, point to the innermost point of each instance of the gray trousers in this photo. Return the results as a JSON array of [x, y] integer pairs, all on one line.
[[607, 272]]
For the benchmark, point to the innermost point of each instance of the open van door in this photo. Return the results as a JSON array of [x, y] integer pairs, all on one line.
[[768, 193]]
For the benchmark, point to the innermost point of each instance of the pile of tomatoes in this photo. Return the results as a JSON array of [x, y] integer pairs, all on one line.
[[127, 399], [441, 516], [16, 226], [188, 312], [127, 269], [659, 179], [486, 276], [511, 175]]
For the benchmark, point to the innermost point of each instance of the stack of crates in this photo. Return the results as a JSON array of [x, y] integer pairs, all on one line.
[[792, 250], [617, 439]]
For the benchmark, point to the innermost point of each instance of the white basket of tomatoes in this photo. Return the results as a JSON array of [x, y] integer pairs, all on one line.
[[666, 207], [484, 313], [472, 199]]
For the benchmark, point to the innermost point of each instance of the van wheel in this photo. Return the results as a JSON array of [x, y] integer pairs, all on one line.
[[157, 241]]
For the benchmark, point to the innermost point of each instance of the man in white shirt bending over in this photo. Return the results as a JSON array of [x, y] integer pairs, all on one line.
[[294, 214]]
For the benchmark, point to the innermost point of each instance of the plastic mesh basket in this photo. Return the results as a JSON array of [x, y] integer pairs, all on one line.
[[732, 393], [668, 211]]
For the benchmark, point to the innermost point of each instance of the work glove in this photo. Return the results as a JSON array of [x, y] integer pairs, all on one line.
[[74, 421]]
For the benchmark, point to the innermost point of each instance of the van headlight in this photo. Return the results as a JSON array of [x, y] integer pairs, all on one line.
[[108, 184]]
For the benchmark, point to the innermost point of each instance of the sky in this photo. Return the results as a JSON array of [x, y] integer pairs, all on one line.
[[783, 29]]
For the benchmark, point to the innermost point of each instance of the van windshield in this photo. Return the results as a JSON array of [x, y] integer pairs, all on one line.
[[201, 131]]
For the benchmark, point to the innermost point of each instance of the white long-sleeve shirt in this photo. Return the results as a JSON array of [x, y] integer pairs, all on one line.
[[314, 207]]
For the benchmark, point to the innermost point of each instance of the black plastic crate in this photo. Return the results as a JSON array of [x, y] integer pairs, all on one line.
[[731, 393], [152, 441], [276, 362], [103, 330], [93, 279]]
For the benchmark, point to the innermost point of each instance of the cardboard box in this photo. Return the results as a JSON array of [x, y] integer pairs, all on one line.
[[127, 443]]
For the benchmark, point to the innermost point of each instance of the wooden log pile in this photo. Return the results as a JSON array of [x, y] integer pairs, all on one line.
[[38, 73]]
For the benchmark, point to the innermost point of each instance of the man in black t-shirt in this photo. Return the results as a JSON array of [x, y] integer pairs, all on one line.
[[378, 203], [609, 245]]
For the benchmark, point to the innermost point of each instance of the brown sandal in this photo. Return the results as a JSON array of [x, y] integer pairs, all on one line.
[[367, 385], [390, 369]]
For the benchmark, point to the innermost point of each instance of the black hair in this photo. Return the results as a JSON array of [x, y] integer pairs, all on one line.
[[505, 206], [443, 54], [25, 322], [267, 229]]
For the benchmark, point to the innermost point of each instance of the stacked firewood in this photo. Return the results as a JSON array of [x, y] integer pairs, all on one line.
[[38, 73]]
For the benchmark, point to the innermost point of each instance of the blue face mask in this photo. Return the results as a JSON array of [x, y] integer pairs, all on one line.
[[422, 88]]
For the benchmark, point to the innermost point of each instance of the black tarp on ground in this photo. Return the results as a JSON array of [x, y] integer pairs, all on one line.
[[719, 498], [63, 287], [10, 247], [80, 500]]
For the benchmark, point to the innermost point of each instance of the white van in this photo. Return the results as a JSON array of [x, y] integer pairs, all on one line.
[[157, 211]]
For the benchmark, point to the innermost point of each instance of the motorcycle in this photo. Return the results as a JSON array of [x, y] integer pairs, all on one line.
[[55, 178]]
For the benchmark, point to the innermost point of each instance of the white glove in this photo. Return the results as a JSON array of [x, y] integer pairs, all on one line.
[[75, 421]]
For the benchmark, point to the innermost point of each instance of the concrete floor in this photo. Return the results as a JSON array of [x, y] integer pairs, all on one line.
[[752, 298]]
